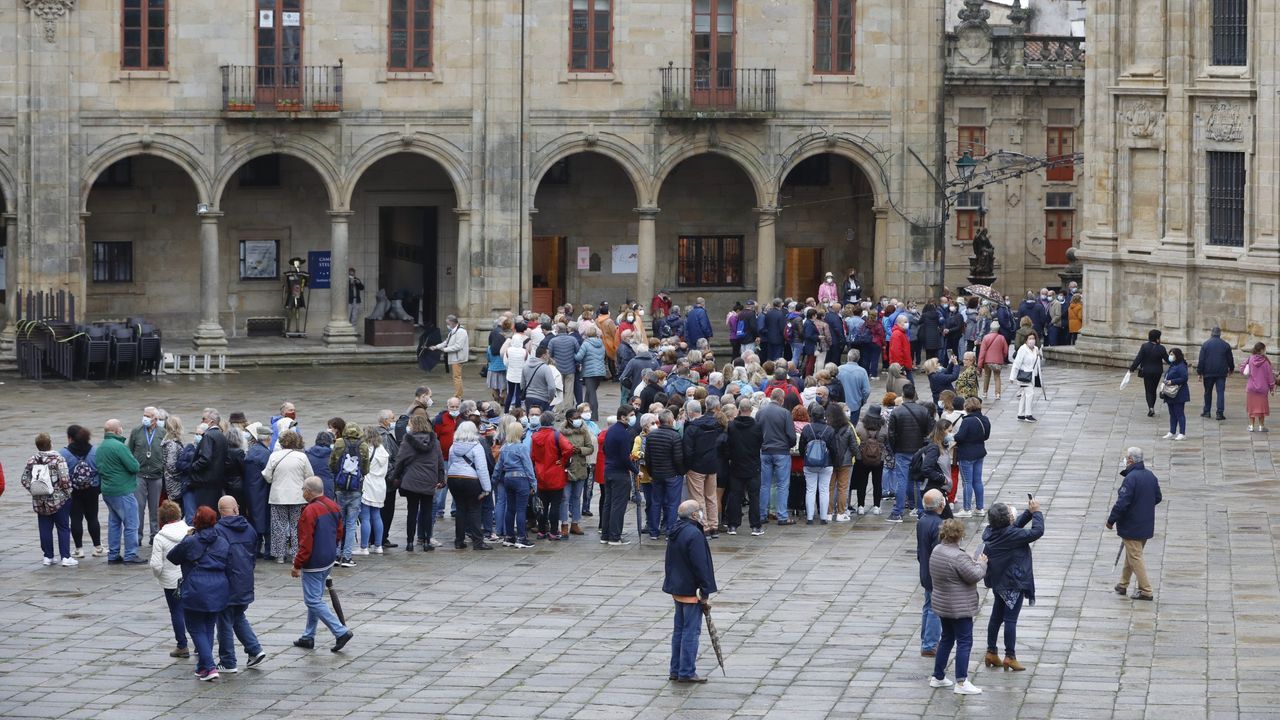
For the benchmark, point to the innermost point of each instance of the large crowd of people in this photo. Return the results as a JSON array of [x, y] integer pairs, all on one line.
[[817, 402]]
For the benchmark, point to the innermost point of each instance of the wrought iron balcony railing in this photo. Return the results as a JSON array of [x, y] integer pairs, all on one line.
[[313, 90], [719, 92]]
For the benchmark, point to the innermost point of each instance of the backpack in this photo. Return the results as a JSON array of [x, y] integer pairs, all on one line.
[[41, 480], [83, 475], [349, 477], [861, 335], [401, 428], [915, 471], [794, 330], [815, 453], [871, 451]]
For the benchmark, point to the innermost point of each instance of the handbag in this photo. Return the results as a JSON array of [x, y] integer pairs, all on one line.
[[1169, 390], [1025, 376]]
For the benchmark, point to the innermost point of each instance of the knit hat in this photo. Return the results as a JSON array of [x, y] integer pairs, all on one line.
[[237, 418]]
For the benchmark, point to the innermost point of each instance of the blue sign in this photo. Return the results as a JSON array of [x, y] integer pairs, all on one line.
[[320, 265]]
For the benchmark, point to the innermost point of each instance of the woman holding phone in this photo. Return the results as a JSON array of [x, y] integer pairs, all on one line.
[[1010, 575]]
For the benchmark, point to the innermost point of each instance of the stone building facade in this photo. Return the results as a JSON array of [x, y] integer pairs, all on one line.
[[166, 160], [1182, 202], [1015, 84]]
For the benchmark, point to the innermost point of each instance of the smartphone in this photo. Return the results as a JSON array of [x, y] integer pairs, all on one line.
[[977, 553], [1029, 497]]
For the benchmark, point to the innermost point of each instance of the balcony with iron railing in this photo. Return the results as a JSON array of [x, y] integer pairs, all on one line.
[[1016, 55], [708, 93], [303, 91]]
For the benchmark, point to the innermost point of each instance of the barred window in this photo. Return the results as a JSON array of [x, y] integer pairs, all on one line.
[[1230, 32], [710, 260], [113, 262], [591, 35], [833, 36], [410, 35], [143, 35], [1226, 198]]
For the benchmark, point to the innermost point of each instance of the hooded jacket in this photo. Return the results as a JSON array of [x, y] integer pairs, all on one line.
[[318, 455], [203, 556], [350, 436], [1261, 377], [539, 380], [702, 439], [167, 574], [584, 446], [900, 348], [896, 380], [563, 349], [420, 464], [551, 452], [242, 540], [591, 355], [744, 439], [1008, 551]]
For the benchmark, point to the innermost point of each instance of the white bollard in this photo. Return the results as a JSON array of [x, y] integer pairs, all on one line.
[[191, 363], [222, 363], [206, 363]]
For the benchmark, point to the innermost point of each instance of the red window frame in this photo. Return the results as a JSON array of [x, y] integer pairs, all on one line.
[[972, 139], [834, 55], [590, 35], [1060, 142], [413, 15], [1059, 235], [149, 36], [968, 222]]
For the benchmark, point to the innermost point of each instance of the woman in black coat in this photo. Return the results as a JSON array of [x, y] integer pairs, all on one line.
[[1149, 362], [930, 330], [1010, 575], [419, 467]]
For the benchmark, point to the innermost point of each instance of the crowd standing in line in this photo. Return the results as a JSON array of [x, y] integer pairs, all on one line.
[[793, 424]]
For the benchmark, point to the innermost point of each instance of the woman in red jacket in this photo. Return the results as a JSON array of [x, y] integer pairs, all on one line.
[[551, 453], [900, 347]]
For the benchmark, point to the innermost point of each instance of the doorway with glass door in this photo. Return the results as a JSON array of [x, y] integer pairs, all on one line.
[[713, 83], [279, 60]]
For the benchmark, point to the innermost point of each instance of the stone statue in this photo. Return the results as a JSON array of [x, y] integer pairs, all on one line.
[[982, 264], [381, 306]]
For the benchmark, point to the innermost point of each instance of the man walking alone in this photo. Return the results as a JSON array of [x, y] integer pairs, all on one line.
[[690, 579], [1134, 519], [319, 532]]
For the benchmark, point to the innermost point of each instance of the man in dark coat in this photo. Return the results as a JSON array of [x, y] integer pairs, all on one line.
[[1213, 366], [773, 335], [836, 324], [696, 324], [744, 439], [232, 623], [690, 580], [1134, 519], [926, 540], [664, 454], [209, 466], [257, 490], [703, 436]]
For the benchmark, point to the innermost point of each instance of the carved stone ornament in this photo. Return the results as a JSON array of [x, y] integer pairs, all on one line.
[[1143, 120], [50, 11], [974, 14], [974, 44], [1224, 124]]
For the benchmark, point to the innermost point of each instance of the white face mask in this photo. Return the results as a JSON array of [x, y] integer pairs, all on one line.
[[454, 413], [1171, 358], [586, 416], [577, 423]]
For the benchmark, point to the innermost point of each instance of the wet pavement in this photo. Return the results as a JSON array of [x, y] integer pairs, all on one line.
[[818, 621]]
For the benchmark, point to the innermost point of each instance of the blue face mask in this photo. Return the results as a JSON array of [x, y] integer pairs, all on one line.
[[146, 422], [578, 423]]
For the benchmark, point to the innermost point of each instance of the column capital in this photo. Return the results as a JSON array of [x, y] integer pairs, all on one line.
[[339, 215], [463, 213], [647, 212], [880, 211], [210, 216]]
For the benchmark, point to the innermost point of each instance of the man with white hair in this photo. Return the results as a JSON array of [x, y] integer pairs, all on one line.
[[703, 436], [690, 579], [319, 532], [1134, 519], [145, 442], [457, 349]]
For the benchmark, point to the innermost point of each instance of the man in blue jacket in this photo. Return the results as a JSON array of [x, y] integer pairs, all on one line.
[[690, 580], [1213, 366], [319, 533], [1134, 519], [773, 330], [855, 383], [696, 324], [232, 623], [926, 540]]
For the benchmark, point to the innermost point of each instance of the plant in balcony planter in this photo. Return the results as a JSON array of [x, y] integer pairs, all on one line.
[[288, 105], [326, 106], [240, 105]]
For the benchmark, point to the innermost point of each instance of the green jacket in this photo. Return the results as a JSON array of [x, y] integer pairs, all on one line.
[[350, 436], [117, 467], [148, 467]]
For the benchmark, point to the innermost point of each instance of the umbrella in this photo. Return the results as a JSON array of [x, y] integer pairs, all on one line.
[[715, 635], [428, 358], [986, 293], [333, 597], [639, 512]]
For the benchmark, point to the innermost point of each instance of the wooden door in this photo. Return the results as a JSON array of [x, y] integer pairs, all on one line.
[[713, 81], [279, 59], [549, 277], [802, 273]]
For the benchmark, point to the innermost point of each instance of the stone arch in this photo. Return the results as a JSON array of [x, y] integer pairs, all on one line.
[[427, 146], [755, 172], [132, 146], [8, 190], [621, 152], [855, 153], [317, 158]]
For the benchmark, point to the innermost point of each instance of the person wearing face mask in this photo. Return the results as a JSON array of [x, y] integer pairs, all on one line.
[[952, 332], [445, 424], [1133, 517], [1054, 329], [1024, 371], [355, 296], [584, 446], [1149, 362], [457, 349], [146, 443], [851, 289], [617, 473], [588, 421], [1175, 382]]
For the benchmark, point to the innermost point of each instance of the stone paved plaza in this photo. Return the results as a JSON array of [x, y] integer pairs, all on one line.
[[817, 621]]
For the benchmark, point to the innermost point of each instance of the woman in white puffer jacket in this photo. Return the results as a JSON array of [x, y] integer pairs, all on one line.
[[172, 532], [373, 493]]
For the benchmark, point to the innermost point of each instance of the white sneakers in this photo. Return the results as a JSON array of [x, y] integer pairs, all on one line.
[[70, 562], [77, 553], [967, 688], [842, 517], [963, 513], [862, 510], [47, 561], [360, 551], [1179, 436], [875, 510], [376, 549], [99, 551], [936, 683], [1167, 436]]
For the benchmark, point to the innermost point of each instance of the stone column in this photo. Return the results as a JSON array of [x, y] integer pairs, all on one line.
[[462, 269], [766, 254], [10, 283], [647, 250], [879, 280], [209, 334], [338, 332]]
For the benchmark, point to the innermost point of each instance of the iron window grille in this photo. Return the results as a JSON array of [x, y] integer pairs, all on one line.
[[113, 262], [710, 261], [1230, 32], [1226, 198]]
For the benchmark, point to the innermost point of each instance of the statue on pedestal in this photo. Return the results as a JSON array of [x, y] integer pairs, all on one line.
[[982, 264]]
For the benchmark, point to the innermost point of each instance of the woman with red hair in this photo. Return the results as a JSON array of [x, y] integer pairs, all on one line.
[[203, 556]]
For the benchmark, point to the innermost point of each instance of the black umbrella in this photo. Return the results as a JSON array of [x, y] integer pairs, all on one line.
[[639, 510], [714, 633], [333, 597], [428, 358]]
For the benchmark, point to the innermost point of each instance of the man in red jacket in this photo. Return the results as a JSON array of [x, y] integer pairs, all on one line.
[[550, 452], [319, 532], [900, 347]]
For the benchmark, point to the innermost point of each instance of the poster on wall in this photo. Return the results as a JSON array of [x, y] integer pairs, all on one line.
[[626, 259], [584, 258], [259, 259], [291, 19], [266, 18], [320, 263]]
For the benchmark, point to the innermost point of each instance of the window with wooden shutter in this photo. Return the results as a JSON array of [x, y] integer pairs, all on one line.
[[409, 35], [1061, 142], [590, 35], [1059, 234], [144, 35]]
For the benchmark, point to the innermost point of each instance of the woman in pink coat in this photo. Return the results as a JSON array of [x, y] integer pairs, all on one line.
[[1262, 382]]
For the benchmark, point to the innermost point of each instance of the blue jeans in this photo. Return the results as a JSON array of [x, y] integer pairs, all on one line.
[[495, 512], [901, 482], [62, 521], [370, 525], [930, 628], [1177, 417], [775, 483], [971, 476], [122, 517], [515, 513], [960, 632], [233, 624], [646, 492], [589, 487], [438, 506], [189, 503], [684, 640], [317, 608], [201, 626], [1002, 614], [666, 496], [176, 617], [349, 501], [571, 508], [1210, 385]]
